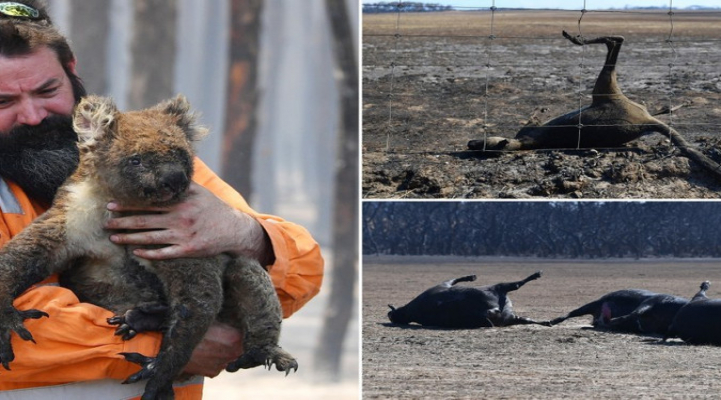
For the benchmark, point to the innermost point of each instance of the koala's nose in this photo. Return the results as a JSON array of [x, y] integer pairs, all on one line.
[[176, 181]]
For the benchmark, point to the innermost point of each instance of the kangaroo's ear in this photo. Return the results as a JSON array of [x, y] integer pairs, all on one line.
[[179, 107], [93, 118]]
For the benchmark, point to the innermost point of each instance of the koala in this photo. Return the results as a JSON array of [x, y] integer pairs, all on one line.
[[138, 158]]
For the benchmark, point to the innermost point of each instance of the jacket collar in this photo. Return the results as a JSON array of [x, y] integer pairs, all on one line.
[[8, 202]]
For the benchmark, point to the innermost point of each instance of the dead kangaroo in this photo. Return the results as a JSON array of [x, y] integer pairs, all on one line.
[[610, 121], [140, 159]]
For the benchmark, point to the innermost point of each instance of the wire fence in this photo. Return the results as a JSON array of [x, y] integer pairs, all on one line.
[[479, 71]]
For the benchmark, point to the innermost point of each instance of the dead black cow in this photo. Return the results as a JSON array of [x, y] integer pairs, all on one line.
[[654, 315], [699, 321], [450, 306], [631, 311]]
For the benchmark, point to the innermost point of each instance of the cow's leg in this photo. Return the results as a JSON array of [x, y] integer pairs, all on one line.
[[508, 318], [503, 288], [516, 320], [592, 308], [504, 315], [631, 317], [469, 278], [702, 291]]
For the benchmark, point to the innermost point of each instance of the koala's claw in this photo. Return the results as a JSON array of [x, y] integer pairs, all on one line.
[[147, 317], [32, 314], [283, 365], [124, 330], [28, 314], [11, 320], [253, 358], [154, 390], [147, 364]]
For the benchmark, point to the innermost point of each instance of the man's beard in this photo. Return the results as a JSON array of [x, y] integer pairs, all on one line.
[[39, 158]]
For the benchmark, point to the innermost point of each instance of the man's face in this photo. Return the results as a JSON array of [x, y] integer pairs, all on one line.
[[37, 143], [33, 87]]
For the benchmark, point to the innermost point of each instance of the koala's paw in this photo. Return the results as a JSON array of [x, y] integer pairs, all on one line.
[[283, 362], [144, 318], [11, 320], [147, 363], [156, 388], [255, 357]]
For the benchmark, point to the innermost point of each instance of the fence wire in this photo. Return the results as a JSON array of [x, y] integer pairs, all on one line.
[[395, 65]]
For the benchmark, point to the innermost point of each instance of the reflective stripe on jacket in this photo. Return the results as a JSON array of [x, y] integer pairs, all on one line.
[[108, 388]]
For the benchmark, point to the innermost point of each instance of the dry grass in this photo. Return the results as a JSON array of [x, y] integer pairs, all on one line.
[[686, 24]]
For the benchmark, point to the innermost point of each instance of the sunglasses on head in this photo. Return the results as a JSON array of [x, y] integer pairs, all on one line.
[[18, 10]]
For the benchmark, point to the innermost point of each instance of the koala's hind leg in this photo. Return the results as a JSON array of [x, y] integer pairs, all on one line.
[[194, 292], [252, 306], [142, 318], [133, 293]]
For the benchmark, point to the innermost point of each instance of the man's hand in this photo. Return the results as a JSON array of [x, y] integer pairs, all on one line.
[[200, 226], [220, 345]]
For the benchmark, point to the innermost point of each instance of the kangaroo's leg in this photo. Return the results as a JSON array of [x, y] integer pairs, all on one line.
[[686, 147], [606, 87]]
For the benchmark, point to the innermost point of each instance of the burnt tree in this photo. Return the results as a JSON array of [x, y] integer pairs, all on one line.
[[345, 248], [89, 35], [153, 50], [242, 94]]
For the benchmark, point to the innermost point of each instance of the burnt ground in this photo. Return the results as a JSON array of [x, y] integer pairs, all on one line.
[[428, 90], [567, 360]]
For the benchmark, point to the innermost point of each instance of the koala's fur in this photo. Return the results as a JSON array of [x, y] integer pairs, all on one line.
[[139, 158]]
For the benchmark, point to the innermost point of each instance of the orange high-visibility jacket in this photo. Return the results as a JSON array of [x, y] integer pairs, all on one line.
[[76, 344]]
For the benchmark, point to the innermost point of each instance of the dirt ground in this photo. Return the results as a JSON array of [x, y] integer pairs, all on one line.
[[531, 361], [434, 81]]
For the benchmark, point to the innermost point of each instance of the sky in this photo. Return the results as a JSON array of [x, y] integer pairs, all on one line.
[[568, 4]]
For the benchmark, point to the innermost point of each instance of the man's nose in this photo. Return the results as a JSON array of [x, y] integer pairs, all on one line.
[[30, 113]]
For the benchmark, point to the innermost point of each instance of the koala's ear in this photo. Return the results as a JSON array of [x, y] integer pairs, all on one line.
[[93, 117], [179, 107]]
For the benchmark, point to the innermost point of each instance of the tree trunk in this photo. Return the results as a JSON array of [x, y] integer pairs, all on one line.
[[242, 95], [153, 50], [89, 21], [345, 229]]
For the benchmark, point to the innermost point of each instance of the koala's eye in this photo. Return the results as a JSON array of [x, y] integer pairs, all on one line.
[[134, 160]]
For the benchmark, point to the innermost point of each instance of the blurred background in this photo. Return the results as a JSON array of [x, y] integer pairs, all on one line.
[[276, 81]]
